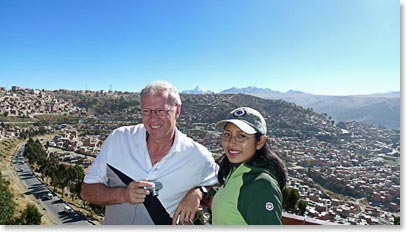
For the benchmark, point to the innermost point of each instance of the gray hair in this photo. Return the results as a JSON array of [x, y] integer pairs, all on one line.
[[164, 88]]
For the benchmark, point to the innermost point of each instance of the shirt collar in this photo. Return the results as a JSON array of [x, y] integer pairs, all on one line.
[[177, 146]]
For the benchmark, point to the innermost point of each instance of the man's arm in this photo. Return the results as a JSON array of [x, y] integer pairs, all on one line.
[[101, 194], [188, 206]]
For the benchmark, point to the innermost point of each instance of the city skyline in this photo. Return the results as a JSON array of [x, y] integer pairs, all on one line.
[[320, 47]]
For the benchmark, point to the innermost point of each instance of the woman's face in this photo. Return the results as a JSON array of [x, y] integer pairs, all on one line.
[[237, 145]]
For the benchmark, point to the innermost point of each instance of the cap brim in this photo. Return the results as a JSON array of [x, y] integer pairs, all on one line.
[[246, 128]]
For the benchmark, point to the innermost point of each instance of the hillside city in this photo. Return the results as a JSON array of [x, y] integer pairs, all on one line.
[[358, 163]]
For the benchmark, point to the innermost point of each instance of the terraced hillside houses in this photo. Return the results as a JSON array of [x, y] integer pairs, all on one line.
[[348, 172]]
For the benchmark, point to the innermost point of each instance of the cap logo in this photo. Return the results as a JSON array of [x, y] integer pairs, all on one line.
[[239, 113], [269, 206]]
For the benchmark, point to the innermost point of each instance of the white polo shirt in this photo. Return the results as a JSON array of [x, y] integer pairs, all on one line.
[[188, 164]]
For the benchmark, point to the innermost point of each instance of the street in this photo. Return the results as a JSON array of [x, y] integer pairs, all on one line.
[[59, 209]]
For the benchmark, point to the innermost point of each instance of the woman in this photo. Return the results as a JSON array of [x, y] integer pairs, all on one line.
[[251, 175]]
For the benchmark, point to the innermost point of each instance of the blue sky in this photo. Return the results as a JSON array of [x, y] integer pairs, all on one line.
[[333, 47]]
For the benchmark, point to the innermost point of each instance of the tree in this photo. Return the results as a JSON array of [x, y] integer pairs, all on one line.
[[76, 175], [23, 135], [97, 209], [341, 125], [43, 164], [30, 216], [396, 220], [7, 206], [52, 173], [290, 198], [302, 206], [62, 177]]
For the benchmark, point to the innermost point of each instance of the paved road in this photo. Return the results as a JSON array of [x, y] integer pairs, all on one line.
[[55, 206]]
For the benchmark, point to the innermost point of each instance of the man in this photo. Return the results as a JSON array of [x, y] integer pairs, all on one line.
[[133, 157]]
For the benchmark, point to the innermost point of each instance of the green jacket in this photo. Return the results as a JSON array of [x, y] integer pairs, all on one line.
[[249, 196]]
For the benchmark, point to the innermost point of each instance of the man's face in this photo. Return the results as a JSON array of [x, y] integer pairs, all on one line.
[[159, 127]]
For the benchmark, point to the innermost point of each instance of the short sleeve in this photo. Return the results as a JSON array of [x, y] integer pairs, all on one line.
[[209, 171], [97, 171]]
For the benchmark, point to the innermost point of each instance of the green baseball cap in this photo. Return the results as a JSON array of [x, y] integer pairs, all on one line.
[[247, 119]]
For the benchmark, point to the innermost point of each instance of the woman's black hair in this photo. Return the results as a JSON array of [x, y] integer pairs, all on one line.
[[263, 158]]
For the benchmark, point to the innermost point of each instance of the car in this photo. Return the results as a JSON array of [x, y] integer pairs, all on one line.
[[48, 196], [68, 209]]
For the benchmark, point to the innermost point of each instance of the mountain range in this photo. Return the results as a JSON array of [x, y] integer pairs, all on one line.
[[381, 109]]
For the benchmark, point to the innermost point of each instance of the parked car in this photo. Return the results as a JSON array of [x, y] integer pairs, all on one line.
[[48, 196], [68, 209]]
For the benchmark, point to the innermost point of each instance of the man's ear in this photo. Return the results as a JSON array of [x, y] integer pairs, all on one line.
[[178, 111]]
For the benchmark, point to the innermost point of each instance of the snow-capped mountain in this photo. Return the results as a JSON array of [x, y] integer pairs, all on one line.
[[197, 90]]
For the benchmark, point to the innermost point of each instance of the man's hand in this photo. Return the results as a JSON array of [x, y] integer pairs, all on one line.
[[187, 208], [101, 194], [135, 192]]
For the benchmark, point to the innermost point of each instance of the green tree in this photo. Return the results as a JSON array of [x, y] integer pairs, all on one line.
[[23, 135], [7, 206], [302, 206], [43, 165], [76, 175], [30, 216], [62, 177], [396, 220], [52, 173], [290, 198], [34, 151]]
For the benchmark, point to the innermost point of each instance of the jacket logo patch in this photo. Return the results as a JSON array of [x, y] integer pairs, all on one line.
[[269, 206]]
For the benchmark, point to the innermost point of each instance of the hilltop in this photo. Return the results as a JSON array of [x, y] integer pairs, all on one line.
[[283, 118], [382, 109]]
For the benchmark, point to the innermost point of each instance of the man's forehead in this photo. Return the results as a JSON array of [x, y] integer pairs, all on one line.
[[156, 99]]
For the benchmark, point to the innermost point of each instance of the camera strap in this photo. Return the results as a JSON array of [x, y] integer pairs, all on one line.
[[153, 205]]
